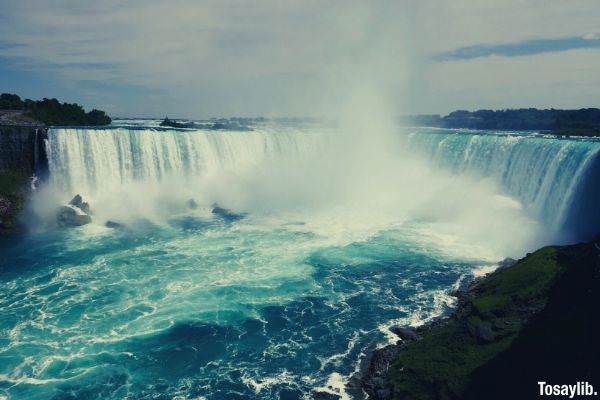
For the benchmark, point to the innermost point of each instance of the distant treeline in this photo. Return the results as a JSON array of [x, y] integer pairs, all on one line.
[[585, 121], [53, 112]]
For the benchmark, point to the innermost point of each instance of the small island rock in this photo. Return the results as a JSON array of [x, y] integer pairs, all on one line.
[[72, 216], [191, 204], [78, 202], [113, 224]]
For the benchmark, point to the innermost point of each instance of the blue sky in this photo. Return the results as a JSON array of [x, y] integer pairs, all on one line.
[[220, 58]]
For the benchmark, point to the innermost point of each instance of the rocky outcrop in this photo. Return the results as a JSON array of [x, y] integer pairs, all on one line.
[[226, 213], [405, 333], [191, 204], [78, 202], [114, 224], [68, 216], [77, 213], [522, 322]]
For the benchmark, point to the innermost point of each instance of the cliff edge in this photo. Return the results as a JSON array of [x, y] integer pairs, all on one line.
[[22, 157]]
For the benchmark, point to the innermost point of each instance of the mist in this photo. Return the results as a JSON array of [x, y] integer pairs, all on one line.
[[353, 180]]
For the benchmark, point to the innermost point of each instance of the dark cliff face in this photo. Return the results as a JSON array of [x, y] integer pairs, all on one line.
[[17, 148], [22, 156]]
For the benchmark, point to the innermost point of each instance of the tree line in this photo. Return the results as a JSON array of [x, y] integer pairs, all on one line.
[[585, 121], [53, 112]]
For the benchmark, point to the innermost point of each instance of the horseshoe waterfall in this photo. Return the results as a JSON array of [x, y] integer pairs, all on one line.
[[262, 263]]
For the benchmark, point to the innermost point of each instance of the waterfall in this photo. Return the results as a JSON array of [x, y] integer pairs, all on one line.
[[552, 177], [88, 161]]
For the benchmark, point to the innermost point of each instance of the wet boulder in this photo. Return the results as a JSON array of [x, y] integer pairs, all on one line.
[[226, 213], [76, 213], [404, 333], [191, 204], [114, 224], [78, 202], [72, 216]]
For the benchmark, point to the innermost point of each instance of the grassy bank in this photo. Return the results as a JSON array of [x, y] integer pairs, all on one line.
[[534, 321]]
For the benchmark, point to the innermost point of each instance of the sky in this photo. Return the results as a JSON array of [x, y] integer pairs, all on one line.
[[202, 59]]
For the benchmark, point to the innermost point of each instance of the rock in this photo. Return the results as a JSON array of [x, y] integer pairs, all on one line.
[[85, 207], [225, 213], [113, 224], [5, 207], [191, 204], [482, 331], [372, 372], [506, 263], [78, 202], [405, 333], [72, 216], [217, 209]]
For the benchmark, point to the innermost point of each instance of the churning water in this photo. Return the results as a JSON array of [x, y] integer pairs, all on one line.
[[330, 246]]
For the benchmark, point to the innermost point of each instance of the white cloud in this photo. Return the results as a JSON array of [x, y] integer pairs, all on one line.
[[270, 57]]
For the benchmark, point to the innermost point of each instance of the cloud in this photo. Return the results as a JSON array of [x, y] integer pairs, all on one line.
[[523, 48], [214, 58], [231, 57]]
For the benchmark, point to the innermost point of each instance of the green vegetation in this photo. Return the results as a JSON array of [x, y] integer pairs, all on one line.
[[442, 364], [11, 102], [53, 112], [582, 122]]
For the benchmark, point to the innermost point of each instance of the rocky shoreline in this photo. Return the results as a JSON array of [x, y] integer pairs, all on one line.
[[503, 326], [501, 320], [371, 377]]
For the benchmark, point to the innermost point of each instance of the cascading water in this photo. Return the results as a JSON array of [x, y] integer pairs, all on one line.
[[97, 160], [338, 244], [544, 173]]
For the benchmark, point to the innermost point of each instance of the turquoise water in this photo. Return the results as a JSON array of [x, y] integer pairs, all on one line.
[[205, 308], [336, 244]]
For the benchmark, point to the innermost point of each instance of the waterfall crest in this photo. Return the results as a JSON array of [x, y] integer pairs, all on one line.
[[553, 178], [96, 160]]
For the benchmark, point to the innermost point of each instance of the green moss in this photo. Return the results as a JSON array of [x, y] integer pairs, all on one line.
[[441, 364]]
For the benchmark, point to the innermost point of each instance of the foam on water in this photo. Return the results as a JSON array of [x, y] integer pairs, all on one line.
[[210, 309], [186, 304]]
